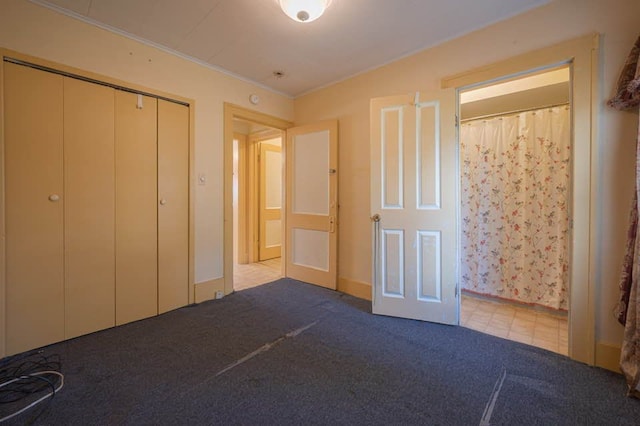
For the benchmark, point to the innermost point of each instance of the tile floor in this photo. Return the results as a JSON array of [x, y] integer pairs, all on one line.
[[522, 324], [255, 274]]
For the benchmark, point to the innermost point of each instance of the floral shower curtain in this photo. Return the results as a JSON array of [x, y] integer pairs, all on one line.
[[628, 309], [515, 196]]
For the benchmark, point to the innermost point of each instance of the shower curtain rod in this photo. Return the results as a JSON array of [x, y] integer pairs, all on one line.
[[517, 111]]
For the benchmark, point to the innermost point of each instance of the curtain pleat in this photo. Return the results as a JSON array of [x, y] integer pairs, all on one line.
[[627, 310]]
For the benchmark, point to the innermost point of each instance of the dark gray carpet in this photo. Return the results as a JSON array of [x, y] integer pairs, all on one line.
[[348, 367]]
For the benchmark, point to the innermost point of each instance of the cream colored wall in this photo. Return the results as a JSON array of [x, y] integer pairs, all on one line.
[[33, 30], [37, 31], [558, 21]]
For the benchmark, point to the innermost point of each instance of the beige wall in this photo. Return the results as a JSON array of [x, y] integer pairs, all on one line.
[[33, 30], [561, 20], [37, 31]]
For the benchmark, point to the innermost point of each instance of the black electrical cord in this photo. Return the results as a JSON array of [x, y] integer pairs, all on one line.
[[27, 377]]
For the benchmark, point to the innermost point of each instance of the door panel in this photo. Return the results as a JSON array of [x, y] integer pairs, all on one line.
[[392, 262], [312, 203], [34, 206], [173, 205], [89, 215], [270, 201], [413, 187], [310, 248], [428, 156], [391, 158], [136, 207], [310, 160], [429, 253]]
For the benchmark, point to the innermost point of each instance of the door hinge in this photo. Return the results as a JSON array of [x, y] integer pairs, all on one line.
[[457, 121]]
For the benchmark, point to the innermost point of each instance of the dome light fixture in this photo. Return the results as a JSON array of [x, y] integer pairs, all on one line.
[[304, 10]]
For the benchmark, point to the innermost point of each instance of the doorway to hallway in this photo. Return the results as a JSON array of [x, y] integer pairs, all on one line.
[[257, 204]]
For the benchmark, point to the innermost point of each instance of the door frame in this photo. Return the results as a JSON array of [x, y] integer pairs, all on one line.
[[231, 112], [581, 54], [242, 250], [247, 249], [253, 181], [262, 209]]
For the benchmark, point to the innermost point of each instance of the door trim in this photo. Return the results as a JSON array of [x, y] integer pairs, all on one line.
[[581, 54], [253, 189], [243, 202], [232, 111], [264, 213]]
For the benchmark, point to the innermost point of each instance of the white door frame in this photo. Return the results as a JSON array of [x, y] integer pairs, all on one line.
[[582, 56]]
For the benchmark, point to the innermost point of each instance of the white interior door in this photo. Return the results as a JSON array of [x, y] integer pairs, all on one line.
[[312, 203], [413, 193], [270, 240]]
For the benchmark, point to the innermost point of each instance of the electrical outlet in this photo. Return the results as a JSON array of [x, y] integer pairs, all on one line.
[[219, 294]]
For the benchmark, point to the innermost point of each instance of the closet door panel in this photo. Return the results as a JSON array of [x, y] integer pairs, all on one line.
[[34, 207], [173, 208], [136, 208], [89, 180]]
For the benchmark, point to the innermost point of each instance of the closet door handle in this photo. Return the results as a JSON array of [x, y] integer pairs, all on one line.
[[54, 197], [163, 202]]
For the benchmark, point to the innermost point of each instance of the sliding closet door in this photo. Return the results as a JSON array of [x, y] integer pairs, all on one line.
[[173, 205], [136, 207], [34, 207], [89, 218]]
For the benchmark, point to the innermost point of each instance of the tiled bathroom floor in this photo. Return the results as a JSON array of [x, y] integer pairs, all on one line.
[[521, 324]]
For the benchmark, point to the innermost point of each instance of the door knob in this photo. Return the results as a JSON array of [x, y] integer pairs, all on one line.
[[54, 197], [163, 202], [375, 218]]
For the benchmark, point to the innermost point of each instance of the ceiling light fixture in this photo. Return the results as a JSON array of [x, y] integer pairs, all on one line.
[[304, 10]]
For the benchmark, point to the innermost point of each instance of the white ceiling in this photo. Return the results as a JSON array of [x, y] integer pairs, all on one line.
[[253, 38]]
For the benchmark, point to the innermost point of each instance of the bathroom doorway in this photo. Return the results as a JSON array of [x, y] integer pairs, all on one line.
[[515, 148]]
